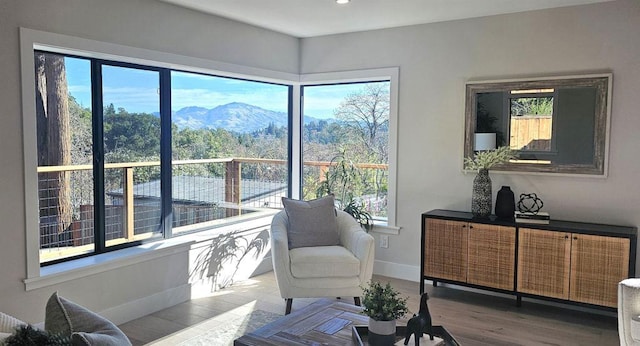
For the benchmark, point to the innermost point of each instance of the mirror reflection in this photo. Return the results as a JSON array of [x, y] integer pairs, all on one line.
[[555, 125]]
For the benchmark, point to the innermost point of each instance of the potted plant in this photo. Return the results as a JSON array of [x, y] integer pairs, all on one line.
[[481, 162], [383, 305], [342, 179]]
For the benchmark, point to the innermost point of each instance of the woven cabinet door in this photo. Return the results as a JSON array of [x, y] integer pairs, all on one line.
[[445, 249], [544, 262], [492, 256], [598, 263]]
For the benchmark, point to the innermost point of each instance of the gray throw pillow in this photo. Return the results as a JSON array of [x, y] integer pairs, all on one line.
[[311, 223], [84, 326]]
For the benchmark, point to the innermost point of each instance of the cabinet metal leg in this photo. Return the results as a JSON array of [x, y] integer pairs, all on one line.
[[518, 300]]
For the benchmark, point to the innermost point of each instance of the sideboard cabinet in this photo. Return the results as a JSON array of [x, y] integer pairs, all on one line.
[[567, 261]]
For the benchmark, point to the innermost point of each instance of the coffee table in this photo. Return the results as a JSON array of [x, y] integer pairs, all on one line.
[[324, 322]]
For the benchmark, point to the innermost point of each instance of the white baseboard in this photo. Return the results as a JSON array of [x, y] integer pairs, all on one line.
[[162, 300], [397, 270], [147, 305]]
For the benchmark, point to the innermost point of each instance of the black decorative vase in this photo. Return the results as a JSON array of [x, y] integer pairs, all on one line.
[[505, 203], [481, 195]]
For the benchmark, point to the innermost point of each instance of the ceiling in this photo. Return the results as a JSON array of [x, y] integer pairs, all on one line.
[[308, 18]]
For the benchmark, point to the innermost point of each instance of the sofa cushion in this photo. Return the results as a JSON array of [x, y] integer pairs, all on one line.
[[311, 223], [8, 325], [85, 327], [323, 261]]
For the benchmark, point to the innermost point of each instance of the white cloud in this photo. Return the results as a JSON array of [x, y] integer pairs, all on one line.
[[132, 99]]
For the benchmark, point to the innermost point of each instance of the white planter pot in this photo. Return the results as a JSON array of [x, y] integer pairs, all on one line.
[[382, 333], [382, 327]]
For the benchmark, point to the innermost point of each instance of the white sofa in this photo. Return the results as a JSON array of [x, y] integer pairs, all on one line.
[[628, 308], [322, 271]]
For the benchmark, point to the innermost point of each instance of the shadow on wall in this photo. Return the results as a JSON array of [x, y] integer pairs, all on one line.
[[227, 258]]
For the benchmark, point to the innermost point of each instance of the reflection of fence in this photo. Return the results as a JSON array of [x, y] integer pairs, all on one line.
[[531, 133], [202, 191]]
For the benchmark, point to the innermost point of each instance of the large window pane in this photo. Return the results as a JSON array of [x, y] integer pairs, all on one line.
[[131, 126], [64, 135], [229, 146], [346, 144]]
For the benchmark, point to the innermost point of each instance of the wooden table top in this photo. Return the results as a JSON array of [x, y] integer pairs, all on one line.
[[324, 322]]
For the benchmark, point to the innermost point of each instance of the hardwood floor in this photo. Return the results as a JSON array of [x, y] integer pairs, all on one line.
[[472, 318]]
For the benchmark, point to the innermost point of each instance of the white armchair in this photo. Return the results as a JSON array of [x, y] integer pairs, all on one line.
[[322, 271], [628, 308]]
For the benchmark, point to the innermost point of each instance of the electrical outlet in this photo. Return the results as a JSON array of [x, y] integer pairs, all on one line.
[[384, 241]]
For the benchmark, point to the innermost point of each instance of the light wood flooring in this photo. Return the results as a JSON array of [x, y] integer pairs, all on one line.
[[473, 318]]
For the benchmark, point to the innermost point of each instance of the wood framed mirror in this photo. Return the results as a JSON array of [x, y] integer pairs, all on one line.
[[555, 124]]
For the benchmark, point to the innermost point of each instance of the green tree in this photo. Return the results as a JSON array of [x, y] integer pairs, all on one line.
[[81, 136], [138, 133], [366, 114]]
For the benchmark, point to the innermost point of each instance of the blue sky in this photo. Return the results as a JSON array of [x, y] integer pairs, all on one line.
[[137, 91]]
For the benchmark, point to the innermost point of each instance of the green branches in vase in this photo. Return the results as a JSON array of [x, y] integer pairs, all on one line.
[[488, 158], [482, 161]]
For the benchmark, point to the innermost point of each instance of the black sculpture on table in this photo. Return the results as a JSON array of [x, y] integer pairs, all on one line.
[[418, 323]]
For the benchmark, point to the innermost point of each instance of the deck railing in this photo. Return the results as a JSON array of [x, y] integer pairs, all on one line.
[[206, 190]]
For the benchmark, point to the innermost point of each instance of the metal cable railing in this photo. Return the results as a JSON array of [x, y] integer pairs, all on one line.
[[203, 191]]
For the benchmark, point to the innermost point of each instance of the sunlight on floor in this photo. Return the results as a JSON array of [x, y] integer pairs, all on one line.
[[219, 330], [205, 291]]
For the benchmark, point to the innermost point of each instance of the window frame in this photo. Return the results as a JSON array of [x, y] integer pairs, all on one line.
[[31, 40]]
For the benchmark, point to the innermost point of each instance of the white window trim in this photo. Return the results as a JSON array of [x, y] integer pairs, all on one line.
[[33, 39]]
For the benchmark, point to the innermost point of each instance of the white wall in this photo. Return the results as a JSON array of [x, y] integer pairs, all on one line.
[[436, 60], [144, 24]]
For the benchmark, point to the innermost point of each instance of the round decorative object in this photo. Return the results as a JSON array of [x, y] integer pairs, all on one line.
[[529, 203], [481, 195], [505, 203], [382, 333]]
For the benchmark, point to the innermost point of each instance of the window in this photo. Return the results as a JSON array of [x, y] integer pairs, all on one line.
[[346, 144], [217, 147], [229, 147], [105, 167]]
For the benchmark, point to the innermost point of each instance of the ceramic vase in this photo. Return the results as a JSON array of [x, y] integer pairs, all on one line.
[[505, 203], [382, 333], [481, 195]]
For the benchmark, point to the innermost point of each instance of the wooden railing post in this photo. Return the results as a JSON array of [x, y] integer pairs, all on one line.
[[128, 202], [232, 182], [323, 173]]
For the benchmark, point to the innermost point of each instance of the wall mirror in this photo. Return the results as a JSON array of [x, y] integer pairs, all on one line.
[[555, 125]]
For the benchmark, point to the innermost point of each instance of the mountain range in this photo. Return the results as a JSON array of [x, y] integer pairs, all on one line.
[[235, 116]]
